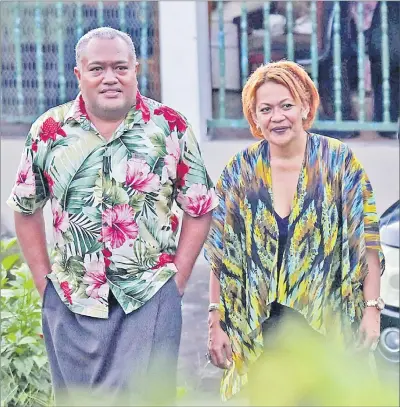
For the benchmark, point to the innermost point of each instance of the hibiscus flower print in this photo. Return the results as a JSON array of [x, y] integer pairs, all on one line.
[[118, 225], [181, 170], [82, 108], [60, 222], [95, 278], [164, 259], [49, 180], [141, 105], [107, 254], [139, 177], [197, 200], [172, 157], [174, 221], [35, 146], [25, 183], [174, 119], [50, 129], [67, 291]]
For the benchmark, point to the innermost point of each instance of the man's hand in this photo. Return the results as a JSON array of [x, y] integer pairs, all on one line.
[[180, 283], [193, 234], [41, 287], [32, 240]]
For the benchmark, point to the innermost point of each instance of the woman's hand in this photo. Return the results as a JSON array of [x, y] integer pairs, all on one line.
[[219, 346], [370, 329]]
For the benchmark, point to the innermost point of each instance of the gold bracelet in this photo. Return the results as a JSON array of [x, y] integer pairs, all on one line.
[[214, 306]]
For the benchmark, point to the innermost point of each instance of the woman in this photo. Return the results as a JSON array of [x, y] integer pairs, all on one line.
[[296, 231]]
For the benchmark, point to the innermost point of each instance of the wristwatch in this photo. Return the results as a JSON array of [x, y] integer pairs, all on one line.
[[378, 303]]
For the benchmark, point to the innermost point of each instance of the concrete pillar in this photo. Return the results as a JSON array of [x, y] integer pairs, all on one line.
[[185, 63]]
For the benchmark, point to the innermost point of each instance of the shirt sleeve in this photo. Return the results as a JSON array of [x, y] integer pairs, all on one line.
[[360, 204], [195, 191], [30, 191], [214, 245]]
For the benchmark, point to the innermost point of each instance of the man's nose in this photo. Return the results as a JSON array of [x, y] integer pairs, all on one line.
[[109, 76]]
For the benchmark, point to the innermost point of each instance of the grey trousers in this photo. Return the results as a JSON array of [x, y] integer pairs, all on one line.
[[131, 359]]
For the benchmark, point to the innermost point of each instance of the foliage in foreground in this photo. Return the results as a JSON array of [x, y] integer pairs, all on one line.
[[25, 378], [300, 370]]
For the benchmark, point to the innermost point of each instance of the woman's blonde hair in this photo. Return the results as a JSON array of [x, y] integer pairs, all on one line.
[[288, 74]]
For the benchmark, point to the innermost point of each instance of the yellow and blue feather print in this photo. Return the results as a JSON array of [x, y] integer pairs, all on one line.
[[332, 223]]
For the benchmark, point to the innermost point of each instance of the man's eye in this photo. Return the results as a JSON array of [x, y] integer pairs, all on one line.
[[122, 68], [95, 69]]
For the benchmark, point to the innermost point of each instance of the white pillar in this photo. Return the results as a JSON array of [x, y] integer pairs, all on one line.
[[185, 61]]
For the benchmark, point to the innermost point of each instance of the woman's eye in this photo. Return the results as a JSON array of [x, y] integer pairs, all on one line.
[[287, 106], [265, 109]]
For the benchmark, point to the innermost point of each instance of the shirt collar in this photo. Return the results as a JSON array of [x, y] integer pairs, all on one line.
[[139, 112]]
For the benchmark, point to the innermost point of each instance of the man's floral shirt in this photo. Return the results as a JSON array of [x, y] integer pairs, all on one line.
[[113, 221]]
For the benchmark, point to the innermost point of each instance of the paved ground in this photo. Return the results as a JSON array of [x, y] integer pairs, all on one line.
[[380, 158]]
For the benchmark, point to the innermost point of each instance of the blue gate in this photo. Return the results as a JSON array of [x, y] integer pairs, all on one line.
[[38, 50], [333, 47]]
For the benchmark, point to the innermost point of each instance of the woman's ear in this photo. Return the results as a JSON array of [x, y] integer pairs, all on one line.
[[255, 120], [304, 112]]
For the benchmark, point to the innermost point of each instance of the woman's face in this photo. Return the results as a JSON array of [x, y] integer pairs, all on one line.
[[277, 114]]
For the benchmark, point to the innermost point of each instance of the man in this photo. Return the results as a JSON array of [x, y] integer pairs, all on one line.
[[112, 162]]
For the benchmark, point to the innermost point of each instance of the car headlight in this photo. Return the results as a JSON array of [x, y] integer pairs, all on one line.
[[389, 344]]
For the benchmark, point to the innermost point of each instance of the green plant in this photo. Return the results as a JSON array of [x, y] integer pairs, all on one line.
[[9, 254], [25, 377]]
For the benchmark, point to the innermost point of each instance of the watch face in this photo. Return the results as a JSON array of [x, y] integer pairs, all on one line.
[[380, 303]]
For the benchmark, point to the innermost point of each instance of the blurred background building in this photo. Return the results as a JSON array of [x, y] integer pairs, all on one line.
[[196, 56]]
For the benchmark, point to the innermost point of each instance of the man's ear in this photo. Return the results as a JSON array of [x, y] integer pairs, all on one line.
[[77, 73]]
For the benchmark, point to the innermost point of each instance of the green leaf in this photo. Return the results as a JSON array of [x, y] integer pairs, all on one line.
[[197, 173], [40, 360], [27, 340], [129, 293], [131, 142], [7, 293], [137, 201], [75, 266], [20, 366], [74, 178], [10, 261], [143, 258], [11, 243], [85, 234], [158, 141]]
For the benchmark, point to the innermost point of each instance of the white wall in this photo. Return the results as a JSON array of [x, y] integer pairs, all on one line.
[[185, 61]]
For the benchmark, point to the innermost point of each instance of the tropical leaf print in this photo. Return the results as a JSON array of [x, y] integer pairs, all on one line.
[[85, 234], [142, 258], [75, 173], [158, 141], [136, 201], [108, 193], [131, 142], [113, 224], [131, 294]]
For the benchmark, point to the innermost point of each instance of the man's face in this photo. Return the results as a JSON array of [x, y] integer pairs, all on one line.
[[107, 78]]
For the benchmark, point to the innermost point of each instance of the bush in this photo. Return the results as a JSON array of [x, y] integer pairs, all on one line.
[[25, 377]]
